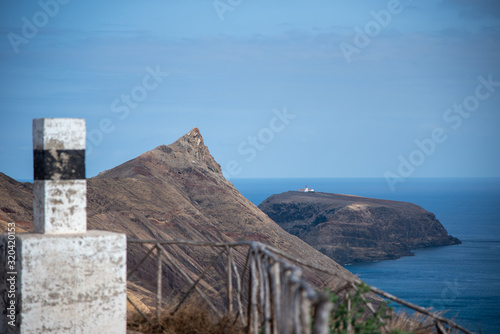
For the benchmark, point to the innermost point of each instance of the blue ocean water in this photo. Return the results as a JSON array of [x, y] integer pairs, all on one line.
[[463, 280]]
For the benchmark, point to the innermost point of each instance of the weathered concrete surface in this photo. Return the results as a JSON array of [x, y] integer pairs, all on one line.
[[73, 283], [60, 207], [59, 134], [60, 188], [61, 279]]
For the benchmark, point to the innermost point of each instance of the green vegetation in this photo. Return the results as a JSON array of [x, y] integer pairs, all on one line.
[[351, 314]]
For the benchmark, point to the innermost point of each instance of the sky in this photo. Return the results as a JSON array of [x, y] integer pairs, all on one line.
[[339, 88]]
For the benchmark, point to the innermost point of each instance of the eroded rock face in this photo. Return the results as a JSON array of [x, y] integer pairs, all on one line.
[[356, 229]]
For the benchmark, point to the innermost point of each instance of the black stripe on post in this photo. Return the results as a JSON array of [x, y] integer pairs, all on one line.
[[59, 164]]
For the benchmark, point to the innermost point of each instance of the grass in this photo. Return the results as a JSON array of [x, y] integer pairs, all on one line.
[[348, 312], [196, 319], [191, 318]]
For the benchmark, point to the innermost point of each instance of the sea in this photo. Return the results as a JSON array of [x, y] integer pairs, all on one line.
[[461, 280]]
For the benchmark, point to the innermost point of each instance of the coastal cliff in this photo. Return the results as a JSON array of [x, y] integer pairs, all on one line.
[[352, 229]]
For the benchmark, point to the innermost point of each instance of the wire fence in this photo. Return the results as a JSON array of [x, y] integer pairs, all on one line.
[[262, 287]]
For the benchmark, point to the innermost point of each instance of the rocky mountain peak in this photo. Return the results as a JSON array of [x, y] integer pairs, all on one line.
[[172, 192], [191, 141], [188, 152]]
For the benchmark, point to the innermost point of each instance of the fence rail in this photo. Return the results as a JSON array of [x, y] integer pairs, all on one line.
[[266, 292]]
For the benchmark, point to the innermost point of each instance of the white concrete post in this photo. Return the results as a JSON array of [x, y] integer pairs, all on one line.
[[61, 279], [59, 188]]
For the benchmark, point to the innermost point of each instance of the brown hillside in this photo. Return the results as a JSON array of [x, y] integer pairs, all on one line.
[[16, 204], [173, 192]]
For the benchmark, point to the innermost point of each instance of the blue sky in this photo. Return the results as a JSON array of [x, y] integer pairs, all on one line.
[[339, 88]]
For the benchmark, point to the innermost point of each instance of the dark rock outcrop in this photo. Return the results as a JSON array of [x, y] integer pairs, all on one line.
[[356, 229]]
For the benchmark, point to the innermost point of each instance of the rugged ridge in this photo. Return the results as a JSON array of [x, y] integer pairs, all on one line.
[[172, 192], [356, 229]]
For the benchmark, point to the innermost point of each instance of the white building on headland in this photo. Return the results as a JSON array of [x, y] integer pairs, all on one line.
[[307, 190]]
